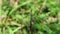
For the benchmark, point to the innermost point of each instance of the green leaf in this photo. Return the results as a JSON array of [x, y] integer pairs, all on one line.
[[15, 8]]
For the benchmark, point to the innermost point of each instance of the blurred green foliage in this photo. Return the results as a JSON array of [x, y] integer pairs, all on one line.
[[30, 17]]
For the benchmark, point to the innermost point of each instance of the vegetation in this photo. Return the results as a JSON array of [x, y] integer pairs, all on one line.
[[29, 16]]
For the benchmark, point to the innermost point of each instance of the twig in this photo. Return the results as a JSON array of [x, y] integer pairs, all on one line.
[[31, 22]]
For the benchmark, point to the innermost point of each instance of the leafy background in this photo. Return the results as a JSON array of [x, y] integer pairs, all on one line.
[[29, 16]]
